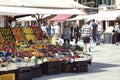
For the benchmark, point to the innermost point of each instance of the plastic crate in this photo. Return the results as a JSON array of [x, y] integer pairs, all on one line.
[[81, 66], [66, 67], [49, 68], [36, 71], [10, 76], [24, 73]]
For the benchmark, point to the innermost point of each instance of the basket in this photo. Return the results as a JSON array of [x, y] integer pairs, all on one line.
[[10, 76]]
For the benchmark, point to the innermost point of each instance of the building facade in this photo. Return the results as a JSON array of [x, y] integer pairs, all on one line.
[[96, 3], [108, 4]]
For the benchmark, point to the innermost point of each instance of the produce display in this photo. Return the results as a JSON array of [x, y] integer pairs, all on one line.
[[19, 37], [7, 34], [27, 30], [22, 48], [30, 37], [17, 31], [1, 39], [5, 31]]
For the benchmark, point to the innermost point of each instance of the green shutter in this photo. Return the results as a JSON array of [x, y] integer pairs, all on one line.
[[108, 2]]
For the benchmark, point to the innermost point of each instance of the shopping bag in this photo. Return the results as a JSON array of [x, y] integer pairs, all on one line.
[[92, 45]]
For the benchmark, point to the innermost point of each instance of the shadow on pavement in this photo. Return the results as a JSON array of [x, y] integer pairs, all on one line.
[[99, 67], [95, 67]]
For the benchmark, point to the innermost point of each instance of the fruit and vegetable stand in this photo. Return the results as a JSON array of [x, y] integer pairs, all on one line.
[[27, 55]]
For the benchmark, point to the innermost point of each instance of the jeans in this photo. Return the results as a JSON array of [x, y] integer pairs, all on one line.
[[99, 36], [94, 37]]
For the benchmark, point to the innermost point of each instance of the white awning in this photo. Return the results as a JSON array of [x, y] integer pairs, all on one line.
[[80, 17], [30, 18], [43, 3], [107, 15], [104, 15], [4, 10]]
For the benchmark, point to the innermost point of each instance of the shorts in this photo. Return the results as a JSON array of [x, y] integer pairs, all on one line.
[[86, 39]]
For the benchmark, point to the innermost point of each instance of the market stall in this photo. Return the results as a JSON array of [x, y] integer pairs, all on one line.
[[25, 55], [24, 51]]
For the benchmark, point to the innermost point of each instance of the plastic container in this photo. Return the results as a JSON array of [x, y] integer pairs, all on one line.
[[48, 68]]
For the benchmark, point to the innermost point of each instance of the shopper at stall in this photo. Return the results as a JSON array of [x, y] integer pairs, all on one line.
[[66, 34], [52, 29], [43, 27], [48, 28], [71, 31], [86, 33], [76, 32], [57, 28], [57, 40], [54, 39]]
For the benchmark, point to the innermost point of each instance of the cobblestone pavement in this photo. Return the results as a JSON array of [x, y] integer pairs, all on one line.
[[105, 66]]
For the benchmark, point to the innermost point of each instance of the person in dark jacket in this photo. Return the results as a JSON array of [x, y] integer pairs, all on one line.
[[76, 31], [94, 26]]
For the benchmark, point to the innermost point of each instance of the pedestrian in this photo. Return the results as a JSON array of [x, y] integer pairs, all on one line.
[[48, 28], [52, 29], [94, 26], [86, 33], [99, 33], [76, 32], [71, 31], [117, 34], [43, 27], [54, 39], [57, 28], [66, 34]]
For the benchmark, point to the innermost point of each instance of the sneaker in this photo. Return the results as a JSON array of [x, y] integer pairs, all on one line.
[[117, 44]]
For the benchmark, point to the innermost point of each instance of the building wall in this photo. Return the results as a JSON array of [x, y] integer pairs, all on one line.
[[117, 2]]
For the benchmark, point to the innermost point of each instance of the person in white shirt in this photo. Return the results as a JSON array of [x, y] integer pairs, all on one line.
[[57, 28], [99, 33], [52, 30], [86, 34], [43, 27]]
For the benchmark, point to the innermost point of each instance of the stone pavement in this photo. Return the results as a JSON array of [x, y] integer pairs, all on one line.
[[105, 66]]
